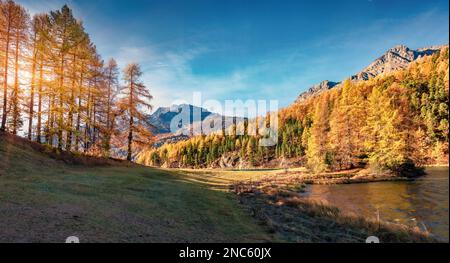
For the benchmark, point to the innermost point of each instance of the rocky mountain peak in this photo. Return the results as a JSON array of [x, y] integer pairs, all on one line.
[[400, 49], [396, 58], [316, 89]]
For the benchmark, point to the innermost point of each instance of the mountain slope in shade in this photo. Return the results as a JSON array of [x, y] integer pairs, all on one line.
[[162, 118], [396, 58], [316, 89], [212, 124]]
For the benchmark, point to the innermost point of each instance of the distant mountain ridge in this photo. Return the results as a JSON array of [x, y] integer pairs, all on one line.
[[396, 58], [163, 116]]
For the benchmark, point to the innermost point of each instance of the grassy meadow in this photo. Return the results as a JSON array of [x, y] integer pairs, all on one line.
[[47, 200], [47, 196]]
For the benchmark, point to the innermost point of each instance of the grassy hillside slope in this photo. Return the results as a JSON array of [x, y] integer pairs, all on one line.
[[46, 200]]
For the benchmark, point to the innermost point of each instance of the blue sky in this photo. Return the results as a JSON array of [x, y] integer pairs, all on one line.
[[251, 49]]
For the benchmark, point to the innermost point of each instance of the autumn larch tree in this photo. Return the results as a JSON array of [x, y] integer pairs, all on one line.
[[40, 31], [136, 97], [11, 19], [111, 85], [346, 122], [318, 148], [66, 35], [21, 36]]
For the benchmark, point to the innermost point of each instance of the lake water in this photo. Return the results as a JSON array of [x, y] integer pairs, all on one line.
[[422, 202]]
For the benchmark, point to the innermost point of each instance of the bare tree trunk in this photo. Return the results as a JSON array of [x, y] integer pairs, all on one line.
[[88, 119], [15, 96], [61, 94], [39, 114], [61, 104], [50, 119], [71, 108], [130, 132], [80, 91], [93, 115], [108, 115], [5, 77], [130, 139], [94, 122], [33, 84]]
